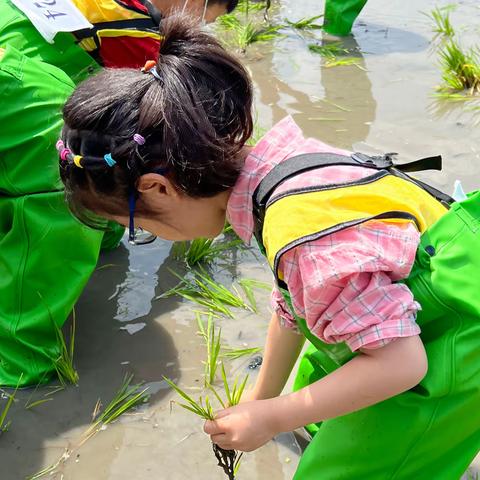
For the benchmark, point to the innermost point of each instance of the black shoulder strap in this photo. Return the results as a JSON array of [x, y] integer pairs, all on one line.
[[310, 161]]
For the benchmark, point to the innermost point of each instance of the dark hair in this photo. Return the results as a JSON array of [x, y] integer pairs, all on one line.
[[230, 4], [195, 118]]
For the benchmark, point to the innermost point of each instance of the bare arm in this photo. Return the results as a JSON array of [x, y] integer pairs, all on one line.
[[282, 348], [369, 378]]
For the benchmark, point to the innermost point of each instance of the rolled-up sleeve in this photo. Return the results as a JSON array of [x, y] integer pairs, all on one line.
[[280, 307], [345, 285]]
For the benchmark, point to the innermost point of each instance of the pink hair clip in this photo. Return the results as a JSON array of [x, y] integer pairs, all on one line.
[[139, 139]]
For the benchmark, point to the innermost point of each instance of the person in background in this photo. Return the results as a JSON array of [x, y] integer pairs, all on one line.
[[46, 255], [340, 15]]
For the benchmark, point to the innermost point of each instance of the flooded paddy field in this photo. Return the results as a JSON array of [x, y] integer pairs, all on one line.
[[383, 103]]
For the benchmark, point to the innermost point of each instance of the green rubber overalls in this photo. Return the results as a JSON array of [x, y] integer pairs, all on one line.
[[431, 432], [340, 15], [46, 256]]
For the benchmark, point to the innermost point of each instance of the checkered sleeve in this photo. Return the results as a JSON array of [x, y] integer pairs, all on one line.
[[344, 285], [280, 307]]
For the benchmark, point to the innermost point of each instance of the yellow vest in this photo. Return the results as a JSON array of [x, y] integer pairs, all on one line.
[[299, 216]]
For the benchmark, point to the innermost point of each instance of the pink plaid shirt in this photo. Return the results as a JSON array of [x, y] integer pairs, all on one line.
[[341, 284]]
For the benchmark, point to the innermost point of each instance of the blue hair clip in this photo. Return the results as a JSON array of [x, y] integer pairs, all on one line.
[[109, 160]]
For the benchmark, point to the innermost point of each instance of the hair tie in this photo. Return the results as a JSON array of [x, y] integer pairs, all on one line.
[[151, 67], [140, 139], [64, 153], [76, 160], [109, 160], [59, 145]]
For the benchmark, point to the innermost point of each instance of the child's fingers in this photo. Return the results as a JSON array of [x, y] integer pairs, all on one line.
[[211, 427], [222, 441]]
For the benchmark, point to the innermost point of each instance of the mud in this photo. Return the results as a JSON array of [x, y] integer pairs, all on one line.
[[386, 106]]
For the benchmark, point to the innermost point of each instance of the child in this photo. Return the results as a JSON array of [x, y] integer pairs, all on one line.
[[165, 150], [38, 235]]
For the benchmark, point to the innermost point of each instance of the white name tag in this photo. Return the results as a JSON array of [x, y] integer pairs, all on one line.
[[52, 16]]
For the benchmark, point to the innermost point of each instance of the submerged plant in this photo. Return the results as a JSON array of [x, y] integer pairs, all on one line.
[[460, 69]]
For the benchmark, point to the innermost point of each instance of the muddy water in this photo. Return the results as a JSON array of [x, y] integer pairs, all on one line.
[[386, 105]]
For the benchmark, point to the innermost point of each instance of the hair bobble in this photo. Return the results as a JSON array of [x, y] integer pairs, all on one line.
[[151, 67], [77, 161], [139, 139], [109, 160]]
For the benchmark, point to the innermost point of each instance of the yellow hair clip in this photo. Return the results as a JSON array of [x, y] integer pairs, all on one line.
[[76, 161]]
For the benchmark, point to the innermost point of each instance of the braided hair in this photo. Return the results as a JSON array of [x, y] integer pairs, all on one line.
[[193, 113]]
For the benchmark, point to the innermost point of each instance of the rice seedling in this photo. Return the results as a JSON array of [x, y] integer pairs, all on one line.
[[442, 25], [242, 34], [329, 50], [64, 362], [126, 398], [4, 424], [234, 353], [460, 69], [228, 460], [248, 285], [344, 62], [203, 290], [202, 250], [247, 7], [305, 23], [213, 342]]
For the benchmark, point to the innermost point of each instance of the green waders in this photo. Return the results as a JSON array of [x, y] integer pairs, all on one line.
[[340, 15], [46, 256], [431, 432]]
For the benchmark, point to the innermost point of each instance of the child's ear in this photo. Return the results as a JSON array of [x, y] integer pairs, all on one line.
[[153, 183]]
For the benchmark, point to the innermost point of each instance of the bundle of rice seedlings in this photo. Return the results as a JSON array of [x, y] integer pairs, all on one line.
[[228, 460]]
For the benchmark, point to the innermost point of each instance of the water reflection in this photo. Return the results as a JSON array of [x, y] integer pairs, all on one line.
[[335, 104]]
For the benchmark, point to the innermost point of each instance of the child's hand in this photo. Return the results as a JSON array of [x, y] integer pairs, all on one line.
[[244, 427]]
